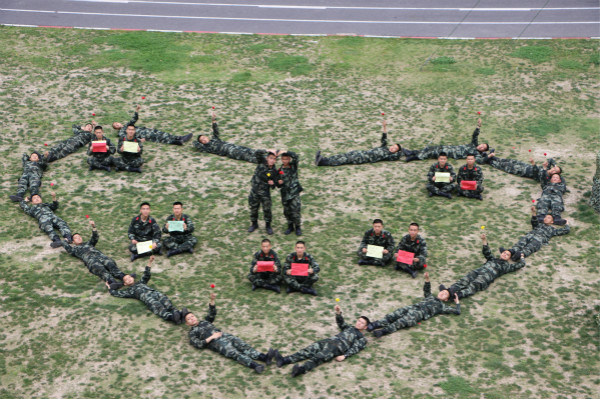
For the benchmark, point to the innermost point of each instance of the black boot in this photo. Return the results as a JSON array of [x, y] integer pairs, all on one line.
[[134, 257], [309, 290], [253, 227], [56, 244], [136, 170], [289, 229], [297, 370], [258, 368], [176, 317], [373, 326], [318, 158], [186, 138], [69, 238], [16, 198], [273, 288], [172, 252], [281, 360], [270, 355], [269, 229], [254, 287], [379, 333], [298, 230]]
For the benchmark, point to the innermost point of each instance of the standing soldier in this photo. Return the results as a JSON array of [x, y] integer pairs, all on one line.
[[453, 151], [214, 145], [409, 316], [380, 237], [129, 161], [441, 188], [263, 181], [267, 280], [156, 301], [377, 154], [290, 189], [301, 283], [31, 179], [96, 262], [470, 172], [101, 160], [413, 242], [63, 148], [595, 197], [144, 133], [143, 227], [340, 347], [179, 241], [47, 220], [203, 334]]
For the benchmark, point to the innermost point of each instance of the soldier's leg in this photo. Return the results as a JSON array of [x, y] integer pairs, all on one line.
[[292, 282], [112, 269], [309, 352], [60, 224], [158, 136], [187, 243], [336, 160], [448, 188], [170, 243], [417, 266], [158, 249], [22, 185], [296, 209], [257, 280], [433, 189], [265, 200], [327, 353], [532, 247], [48, 228], [407, 320], [245, 348], [392, 317], [97, 268], [161, 306], [430, 152], [287, 212], [225, 346], [35, 181], [387, 258], [254, 204], [133, 249]]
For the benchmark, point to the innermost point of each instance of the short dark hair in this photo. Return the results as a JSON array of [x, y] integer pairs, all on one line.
[[559, 167], [366, 319], [144, 203], [286, 154], [177, 203], [377, 221], [130, 124], [414, 224], [271, 153], [300, 242], [265, 240], [33, 195], [98, 128], [487, 146], [470, 155], [442, 154]]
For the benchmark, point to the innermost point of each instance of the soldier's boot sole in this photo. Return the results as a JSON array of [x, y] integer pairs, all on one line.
[[16, 198], [55, 244], [298, 370], [270, 356]]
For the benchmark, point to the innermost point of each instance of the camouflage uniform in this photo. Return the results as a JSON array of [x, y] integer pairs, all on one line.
[[480, 278], [154, 135], [265, 279], [475, 174], [438, 188], [128, 160], [377, 154], [551, 200], [348, 342], [156, 301], [298, 282], [453, 151], [523, 169], [260, 192], [290, 191], [417, 247], [409, 316], [140, 230], [32, 176], [219, 147], [384, 240], [100, 160], [47, 220], [96, 262], [595, 198], [228, 345], [180, 240], [69, 146], [540, 235]]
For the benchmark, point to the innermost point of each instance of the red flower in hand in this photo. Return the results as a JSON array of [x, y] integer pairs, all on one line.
[[425, 266], [281, 172]]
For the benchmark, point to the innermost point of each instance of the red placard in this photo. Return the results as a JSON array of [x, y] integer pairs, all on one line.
[[299, 269], [468, 185], [99, 146], [265, 266], [405, 257]]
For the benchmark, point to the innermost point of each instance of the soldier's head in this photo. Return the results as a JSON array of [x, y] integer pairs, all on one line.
[[555, 170], [128, 280], [145, 209], [271, 158], [286, 159], [377, 226], [191, 320], [505, 254], [483, 147], [470, 160], [555, 178], [300, 248], [77, 239], [361, 323], [177, 208], [394, 148], [444, 295], [202, 139], [34, 157], [130, 131], [36, 199], [265, 245], [442, 158], [88, 127], [548, 219], [117, 125], [413, 230], [99, 132]]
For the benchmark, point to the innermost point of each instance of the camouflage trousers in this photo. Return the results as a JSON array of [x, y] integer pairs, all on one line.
[[318, 353], [291, 211], [105, 268], [255, 200], [239, 153], [453, 151], [68, 146], [128, 164], [31, 182], [595, 198], [437, 188], [529, 244], [400, 318], [48, 226], [471, 193], [265, 278], [133, 249], [375, 261], [550, 204], [473, 282], [353, 157], [155, 135], [234, 348], [413, 266], [514, 167], [182, 242], [98, 163], [298, 282], [160, 305]]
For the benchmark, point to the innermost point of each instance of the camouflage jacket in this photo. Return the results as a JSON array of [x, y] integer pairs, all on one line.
[[475, 174], [350, 340], [129, 155], [33, 167], [110, 146], [199, 333], [220, 147], [41, 212], [384, 240], [437, 168], [291, 186], [432, 306], [85, 251], [138, 290], [144, 231], [307, 258], [186, 219], [417, 247], [263, 173], [496, 266], [260, 256], [545, 232]]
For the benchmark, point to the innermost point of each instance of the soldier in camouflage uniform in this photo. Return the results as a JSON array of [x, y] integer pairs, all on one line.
[[156, 301], [376, 236], [129, 161], [442, 189], [31, 179], [290, 189], [551, 200], [80, 138], [143, 227], [542, 174], [595, 197], [480, 278], [179, 241], [377, 154], [101, 160], [301, 283], [540, 234], [266, 280], [47, 220], [263, 181], [203, 334], [143, 133], [453, 151], [214, 145], [470, 172], [413, 242], [348, 342], [96, 262], [409, 316]]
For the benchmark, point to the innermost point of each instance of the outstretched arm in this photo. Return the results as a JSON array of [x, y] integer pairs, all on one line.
[[384, 141], [339, 319], [475, 136], [147, 273], [487, 253], [212, 309]]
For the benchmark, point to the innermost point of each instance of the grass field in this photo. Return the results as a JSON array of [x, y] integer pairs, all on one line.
[[532, 334]]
